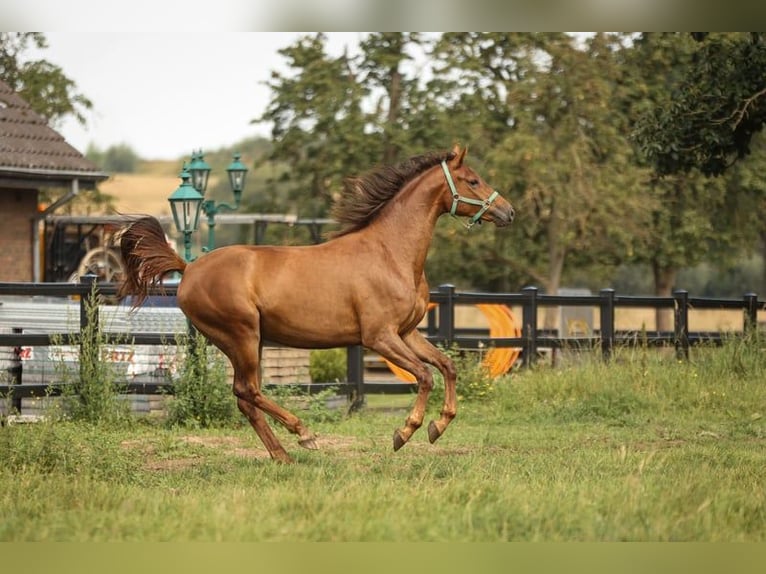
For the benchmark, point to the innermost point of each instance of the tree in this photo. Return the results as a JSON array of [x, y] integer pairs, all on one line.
[[42, 84], [382, 60], [558, 144], [319, 128], [116, 158], [575, 163], [746, 203], [676, 97], [471, 98], [714, 109]]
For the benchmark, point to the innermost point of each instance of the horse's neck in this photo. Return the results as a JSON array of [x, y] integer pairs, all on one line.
[[406, 225]]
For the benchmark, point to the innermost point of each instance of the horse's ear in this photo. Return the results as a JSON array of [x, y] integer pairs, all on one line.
[[459, 155]]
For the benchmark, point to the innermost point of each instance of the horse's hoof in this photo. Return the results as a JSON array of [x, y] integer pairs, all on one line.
[[433, 432], [281, 457], [309, 443], [399, 441]]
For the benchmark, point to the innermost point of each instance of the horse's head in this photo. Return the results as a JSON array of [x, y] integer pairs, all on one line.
[[470, 196]]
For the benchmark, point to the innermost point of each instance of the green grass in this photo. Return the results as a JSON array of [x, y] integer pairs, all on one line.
[[645, 448]]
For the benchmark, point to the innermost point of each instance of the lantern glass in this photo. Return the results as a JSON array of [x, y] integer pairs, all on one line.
[[237, 172], [200, 172], [186, 204]]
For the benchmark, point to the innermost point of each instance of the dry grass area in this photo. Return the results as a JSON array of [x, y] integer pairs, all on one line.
[[146, 190], [140, 193], [193, 450]]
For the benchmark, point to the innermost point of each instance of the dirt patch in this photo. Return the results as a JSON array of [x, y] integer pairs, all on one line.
[[226, 445], [171, 464]]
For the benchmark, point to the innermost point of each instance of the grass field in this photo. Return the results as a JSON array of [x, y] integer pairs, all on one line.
[[643, 449]]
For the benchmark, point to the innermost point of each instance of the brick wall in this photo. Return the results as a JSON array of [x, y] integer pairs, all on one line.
[[17, 207]]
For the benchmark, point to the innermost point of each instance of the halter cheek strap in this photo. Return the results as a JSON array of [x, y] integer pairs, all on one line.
[[457, 198]]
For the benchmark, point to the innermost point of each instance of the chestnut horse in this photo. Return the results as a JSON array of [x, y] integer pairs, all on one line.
[[365, 285]]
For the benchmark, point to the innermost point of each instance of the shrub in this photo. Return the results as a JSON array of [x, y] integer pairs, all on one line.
[[327, 365]]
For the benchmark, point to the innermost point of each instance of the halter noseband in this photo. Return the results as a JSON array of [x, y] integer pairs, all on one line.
[[457, 198]]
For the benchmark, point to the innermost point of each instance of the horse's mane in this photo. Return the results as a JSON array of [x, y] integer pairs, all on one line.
[[363, 196]]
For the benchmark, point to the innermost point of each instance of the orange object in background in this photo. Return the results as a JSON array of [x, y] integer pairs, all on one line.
[[498, 360]]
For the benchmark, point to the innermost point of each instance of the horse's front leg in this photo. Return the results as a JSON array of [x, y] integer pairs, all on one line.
[[392, 347], [433, 356]]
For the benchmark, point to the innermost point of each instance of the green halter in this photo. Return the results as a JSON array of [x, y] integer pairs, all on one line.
[[457, 198]]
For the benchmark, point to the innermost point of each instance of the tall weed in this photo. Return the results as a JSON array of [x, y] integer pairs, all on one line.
[[92, 390], [202, 395]]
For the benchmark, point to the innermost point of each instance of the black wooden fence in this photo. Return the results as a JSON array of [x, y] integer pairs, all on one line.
[[440, 328]]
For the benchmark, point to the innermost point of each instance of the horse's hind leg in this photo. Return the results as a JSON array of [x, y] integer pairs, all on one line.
[[306, 438], [241, 343], [253, 404], [263, 430]]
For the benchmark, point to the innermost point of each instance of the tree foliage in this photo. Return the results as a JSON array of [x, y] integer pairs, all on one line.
[[120, 158], [42, 84], [713, 110], [681, 92], [319, 127]]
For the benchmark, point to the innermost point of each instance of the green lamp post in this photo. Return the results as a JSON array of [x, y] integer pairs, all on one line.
[[186, 203], [200, 171]]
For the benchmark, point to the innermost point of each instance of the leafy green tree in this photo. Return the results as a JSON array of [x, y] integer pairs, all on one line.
[[549, 134], [746, 203], [42, 84], [120, 158], [470, 99], [571, 162], [319, 127], [474, 80], [693, 214], [714, 108], [381, 70]]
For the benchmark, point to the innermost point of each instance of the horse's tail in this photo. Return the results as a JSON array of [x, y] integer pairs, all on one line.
[[146, 257]]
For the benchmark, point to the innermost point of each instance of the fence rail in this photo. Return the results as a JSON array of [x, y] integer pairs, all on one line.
[[440, 329]]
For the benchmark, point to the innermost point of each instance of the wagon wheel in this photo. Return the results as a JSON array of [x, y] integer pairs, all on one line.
[[102, 262]]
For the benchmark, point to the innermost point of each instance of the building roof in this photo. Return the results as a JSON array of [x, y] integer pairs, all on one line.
[[34, 155]]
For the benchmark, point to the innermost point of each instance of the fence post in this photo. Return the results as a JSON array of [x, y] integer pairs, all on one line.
[[751, 313], [446, 330], [681, 324], [529, 326], [15, 371], [355, 375], [607, 323]]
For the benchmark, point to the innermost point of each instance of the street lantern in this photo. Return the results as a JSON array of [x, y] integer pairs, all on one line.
[[200, 171], [186, 204], [237, 172]]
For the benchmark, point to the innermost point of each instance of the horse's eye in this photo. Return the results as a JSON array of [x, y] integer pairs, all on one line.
[[473, 182]]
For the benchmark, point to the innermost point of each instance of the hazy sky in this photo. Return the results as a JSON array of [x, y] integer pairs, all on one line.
[[166, 94]]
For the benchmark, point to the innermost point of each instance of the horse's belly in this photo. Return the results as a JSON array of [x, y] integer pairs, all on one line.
[[316, 328]]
